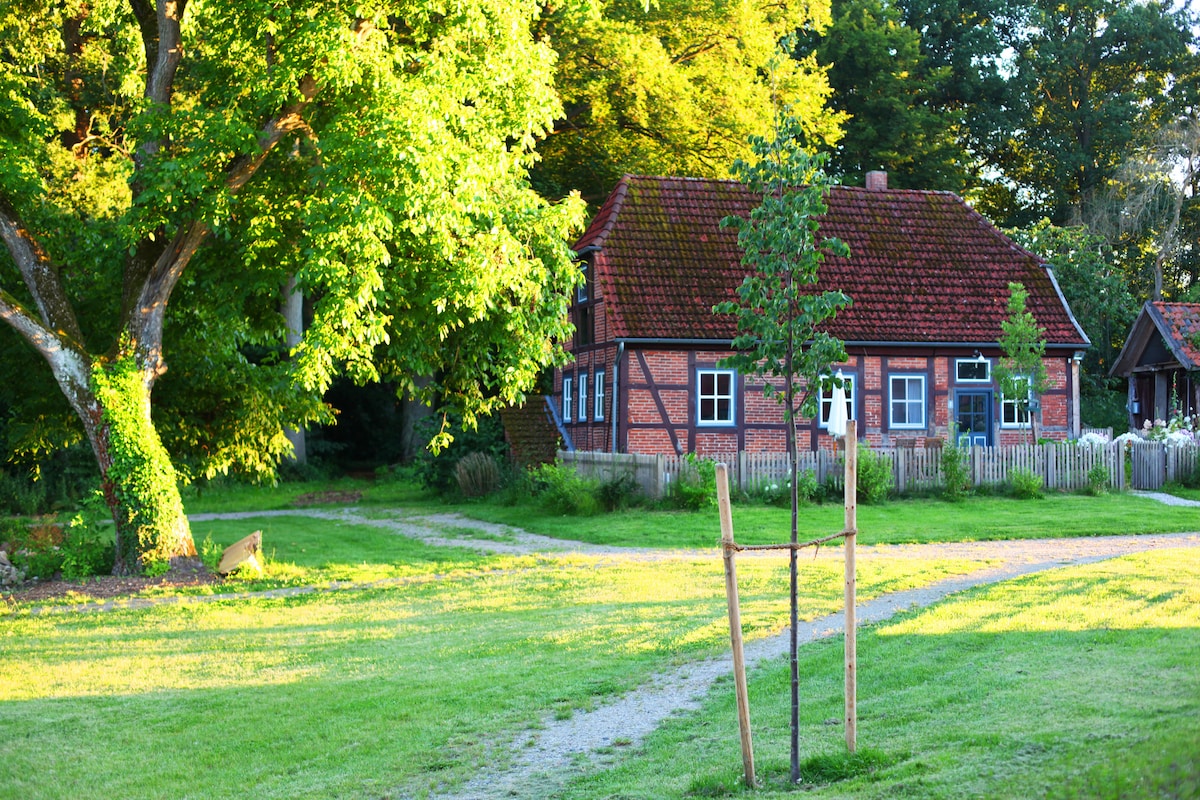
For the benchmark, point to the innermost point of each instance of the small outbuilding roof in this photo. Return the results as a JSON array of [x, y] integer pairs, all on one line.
[[1177, 325], [924, 267]]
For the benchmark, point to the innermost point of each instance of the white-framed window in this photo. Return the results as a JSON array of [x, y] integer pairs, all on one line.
[[907, 401], [849, 386], [583, 397], [598, 396], [1014, 411], [568, 398], [714, 396], [972, 370]]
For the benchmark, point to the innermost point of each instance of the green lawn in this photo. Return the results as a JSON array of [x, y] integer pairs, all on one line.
[[898, 521], [365, 693], [1076, 683], [1054, 686]]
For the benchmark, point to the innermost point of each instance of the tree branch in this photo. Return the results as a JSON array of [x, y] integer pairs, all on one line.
[[41, 276]]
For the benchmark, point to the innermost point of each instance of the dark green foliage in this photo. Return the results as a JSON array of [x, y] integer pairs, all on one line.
[[1025, 485], [618, 492], [49, 482], [882, 80], [437, 471], [874, 474], [696, 487], [956, 473]]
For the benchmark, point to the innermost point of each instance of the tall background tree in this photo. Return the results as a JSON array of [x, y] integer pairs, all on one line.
[[164, 170], [885, 86], [674, 87]]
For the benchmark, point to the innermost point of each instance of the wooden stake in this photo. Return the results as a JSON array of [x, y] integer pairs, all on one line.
[[735, 623], [851, 530]]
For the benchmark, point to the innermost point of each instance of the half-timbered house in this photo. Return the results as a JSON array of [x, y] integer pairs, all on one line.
[[928, 277]]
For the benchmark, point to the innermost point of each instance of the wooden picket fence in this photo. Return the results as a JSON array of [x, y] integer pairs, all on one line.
[[1060, 466]]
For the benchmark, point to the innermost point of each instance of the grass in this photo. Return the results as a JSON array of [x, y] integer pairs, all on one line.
[[382, 692], [1071, 684], [237, 496], [1075, 683], [899, 521]]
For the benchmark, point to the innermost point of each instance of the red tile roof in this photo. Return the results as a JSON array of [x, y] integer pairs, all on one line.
[[923, 266], [1179, 323]]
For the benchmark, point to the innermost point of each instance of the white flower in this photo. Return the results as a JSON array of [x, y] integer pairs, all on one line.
[[1179, 438]]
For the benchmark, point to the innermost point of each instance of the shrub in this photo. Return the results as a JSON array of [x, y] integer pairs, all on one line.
[[1097, 480], [619, 491], [874, 475], [21, 496], [696, 487], [1024, 484], [87, 549], [956, 475], [562, 491], [808, 490], [210, 553], [477, 474], [37, 549], [517, 484]]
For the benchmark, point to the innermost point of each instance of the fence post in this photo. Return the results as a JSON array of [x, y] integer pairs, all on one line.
[[735, 623]]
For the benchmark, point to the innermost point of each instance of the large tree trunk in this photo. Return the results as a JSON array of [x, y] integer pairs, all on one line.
[[138, 479]]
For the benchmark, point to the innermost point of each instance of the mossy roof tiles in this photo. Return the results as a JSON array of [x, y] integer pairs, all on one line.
[[923, 266], [1180, 327]]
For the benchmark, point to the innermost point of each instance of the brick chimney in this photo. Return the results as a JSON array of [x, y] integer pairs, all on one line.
[[877, 180]]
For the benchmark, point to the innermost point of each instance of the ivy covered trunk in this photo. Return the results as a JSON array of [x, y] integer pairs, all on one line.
[[138, 479]]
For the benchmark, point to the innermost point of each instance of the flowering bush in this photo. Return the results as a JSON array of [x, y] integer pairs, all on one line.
[[1092, 440], [1127, 439], [1178, 430]]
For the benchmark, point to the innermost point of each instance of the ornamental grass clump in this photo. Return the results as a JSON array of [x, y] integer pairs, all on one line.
[[477, 474]]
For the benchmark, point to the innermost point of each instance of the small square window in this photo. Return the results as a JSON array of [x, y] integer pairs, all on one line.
[[715, 397], [1014, 411]]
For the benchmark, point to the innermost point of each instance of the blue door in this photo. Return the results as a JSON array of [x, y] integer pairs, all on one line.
[[973, 416]]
